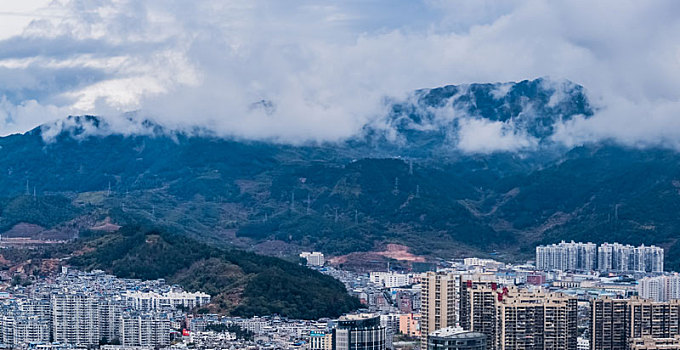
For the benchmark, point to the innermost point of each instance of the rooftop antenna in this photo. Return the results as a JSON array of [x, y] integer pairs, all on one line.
[[336, 214], [34, 194], [292, 201], [153, 210], [356, 217], [309, 201], [266, 217], [396, 186], [417, 191], [123, 207], [108, 193], [27, 192], [410, 167]]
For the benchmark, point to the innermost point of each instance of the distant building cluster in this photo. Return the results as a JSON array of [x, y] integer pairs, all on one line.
[[567, 256], [155, 301], [89, 309], [486, 263], [620, 258], [390, 279], [659, 288], [608, 257], [351, 332]]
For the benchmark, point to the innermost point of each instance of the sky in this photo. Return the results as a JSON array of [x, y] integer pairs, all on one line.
[[327, 66]]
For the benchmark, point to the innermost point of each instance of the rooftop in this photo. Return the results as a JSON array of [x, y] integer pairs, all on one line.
[[456, 332]]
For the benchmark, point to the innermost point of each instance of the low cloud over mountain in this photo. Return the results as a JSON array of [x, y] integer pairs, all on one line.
[[326, 70]]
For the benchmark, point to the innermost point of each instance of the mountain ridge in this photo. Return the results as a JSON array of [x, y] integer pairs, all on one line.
[[365, 192]]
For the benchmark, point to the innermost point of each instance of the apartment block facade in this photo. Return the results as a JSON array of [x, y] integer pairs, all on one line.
[[519, 319], [567, 256], [616, 323], [659, 288], [616, 257], [608, 257], [439, 302]]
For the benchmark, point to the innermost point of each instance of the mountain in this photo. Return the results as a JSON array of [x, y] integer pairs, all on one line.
[[429, 122], [240, 283], [405, 179]]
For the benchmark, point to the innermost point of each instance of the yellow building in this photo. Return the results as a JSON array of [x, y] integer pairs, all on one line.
[[439, 302], [409, 325], [320, 340]]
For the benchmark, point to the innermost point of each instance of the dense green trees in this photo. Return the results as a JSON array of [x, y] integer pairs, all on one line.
[[242, 283]]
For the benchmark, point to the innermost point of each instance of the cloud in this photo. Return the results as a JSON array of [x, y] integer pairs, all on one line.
[[326, 67], [485, 136]]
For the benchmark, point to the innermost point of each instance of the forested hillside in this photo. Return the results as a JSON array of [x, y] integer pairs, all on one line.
[[240, 283], [412, 186]]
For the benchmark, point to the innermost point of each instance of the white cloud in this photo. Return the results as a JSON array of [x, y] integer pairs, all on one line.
[[485, 136], [326, 66]]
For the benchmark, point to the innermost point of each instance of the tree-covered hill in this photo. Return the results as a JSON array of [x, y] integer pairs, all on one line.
[[240, 283]]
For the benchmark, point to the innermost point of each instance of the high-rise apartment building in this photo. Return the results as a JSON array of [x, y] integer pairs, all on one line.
[[24, 329], [608, 257], [616, 257], [608, 323], [659, 288], [655, 319], [537, 321], [110, 311], [615, 323], [478, 308], [439, 302], [565, 256], [75, 318], [144, 329], [518, 319]]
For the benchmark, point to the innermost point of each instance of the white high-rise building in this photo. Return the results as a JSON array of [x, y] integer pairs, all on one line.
[[313, 258], [659, 288], [616, 257], [30, 329], [23, 329], [75, 318], [110, 310], [138, 329], [565, 256], [649, 258]]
